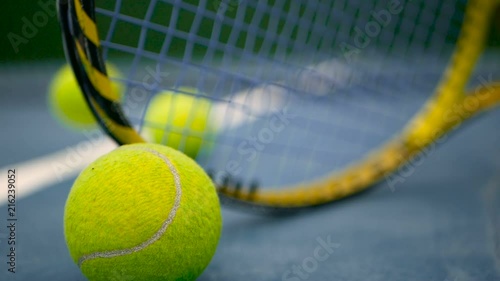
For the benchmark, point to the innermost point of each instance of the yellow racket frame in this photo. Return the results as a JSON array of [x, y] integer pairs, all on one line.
[[447, 109]]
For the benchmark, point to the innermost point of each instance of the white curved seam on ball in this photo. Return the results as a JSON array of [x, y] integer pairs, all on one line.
[[159, 233]]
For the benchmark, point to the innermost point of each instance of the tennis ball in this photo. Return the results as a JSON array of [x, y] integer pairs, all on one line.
[[180, 121], [142, 212], [66, 101]]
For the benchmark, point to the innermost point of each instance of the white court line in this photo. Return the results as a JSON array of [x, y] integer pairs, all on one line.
[[317, 80], [40, 173], [45, 171], [260, 101]]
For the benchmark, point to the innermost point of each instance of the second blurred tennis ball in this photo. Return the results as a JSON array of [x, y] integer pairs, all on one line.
[[180, 120], [66, 101]]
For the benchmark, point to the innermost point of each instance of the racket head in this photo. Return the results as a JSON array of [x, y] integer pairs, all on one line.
[[347, 105]]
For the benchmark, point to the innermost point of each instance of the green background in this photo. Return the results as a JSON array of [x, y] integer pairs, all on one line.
[[46, 43]]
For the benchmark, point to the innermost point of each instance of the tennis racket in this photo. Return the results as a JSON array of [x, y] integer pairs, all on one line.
[[315, 100]]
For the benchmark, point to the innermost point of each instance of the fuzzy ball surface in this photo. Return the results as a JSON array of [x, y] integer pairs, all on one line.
[[142, 212]]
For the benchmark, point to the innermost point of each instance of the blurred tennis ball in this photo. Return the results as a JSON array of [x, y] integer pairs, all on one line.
[[142, 212], [66, 100], [180, 121]]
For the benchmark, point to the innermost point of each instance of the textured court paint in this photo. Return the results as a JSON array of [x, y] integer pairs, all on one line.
[[128, 198], [386, 234]]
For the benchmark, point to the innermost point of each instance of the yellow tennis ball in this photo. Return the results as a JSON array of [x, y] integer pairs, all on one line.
[[180, 121], [66, 101], [142, 212]]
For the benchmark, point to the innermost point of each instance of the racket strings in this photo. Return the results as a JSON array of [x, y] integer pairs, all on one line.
[[374, 84]]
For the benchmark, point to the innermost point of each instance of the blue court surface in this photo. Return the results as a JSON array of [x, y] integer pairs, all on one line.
[[442, 223]]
